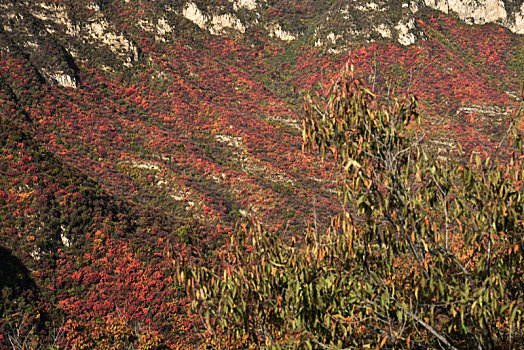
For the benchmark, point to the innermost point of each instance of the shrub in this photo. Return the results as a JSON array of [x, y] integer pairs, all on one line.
[[424, 254]]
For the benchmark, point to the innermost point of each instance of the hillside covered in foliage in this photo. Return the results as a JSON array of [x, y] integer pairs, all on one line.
[[137, 135]]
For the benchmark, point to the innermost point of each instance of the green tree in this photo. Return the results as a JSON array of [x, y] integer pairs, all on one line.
[[424, 254]]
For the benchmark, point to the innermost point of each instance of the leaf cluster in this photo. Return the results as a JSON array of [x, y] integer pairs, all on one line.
[[423, 254]]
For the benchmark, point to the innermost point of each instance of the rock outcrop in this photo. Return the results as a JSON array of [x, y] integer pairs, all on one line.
[[215, 23], [507, 13]]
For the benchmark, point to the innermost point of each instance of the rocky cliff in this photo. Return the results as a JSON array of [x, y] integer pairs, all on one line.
[[508, 13], [344, 22]]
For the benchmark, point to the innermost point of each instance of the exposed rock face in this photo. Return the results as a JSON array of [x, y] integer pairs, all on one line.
[[383, 30], [215, 24], [45, 26], [405, 36], [64, 80], [372, 19], [193, 13], [277, 31], [368, 20], [228, 20], [52, 12], [248, 4], [163, 27], [96, 30], [507, 13], [30, 30], [116, 42]]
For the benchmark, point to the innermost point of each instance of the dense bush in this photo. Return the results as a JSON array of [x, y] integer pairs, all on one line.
[[424, 254]]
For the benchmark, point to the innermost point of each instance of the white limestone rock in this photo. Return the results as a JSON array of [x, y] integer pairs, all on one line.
[[215, 24], [383, 30], [64, 80], [116, 42], [193, 13], [65, 241], [162, 29], [59, 77], [221, 22], [481, 12], [247, 4], [276, 30], [405, 36]]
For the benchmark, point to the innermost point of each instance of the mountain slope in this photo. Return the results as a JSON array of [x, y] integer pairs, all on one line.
[[134, 130]]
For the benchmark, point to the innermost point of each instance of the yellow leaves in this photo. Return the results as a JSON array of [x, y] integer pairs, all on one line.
[[308, 257], [368, 92], [351, 162], [383, 342], [228, 272], [459, 224], [321, 254], [394, 217], [334, 150], [181, 276], [23, 196]]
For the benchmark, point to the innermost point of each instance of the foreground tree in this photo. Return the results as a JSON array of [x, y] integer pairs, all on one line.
[[424, 254]]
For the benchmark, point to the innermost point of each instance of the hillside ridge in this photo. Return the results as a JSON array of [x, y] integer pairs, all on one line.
[[135, 133]]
